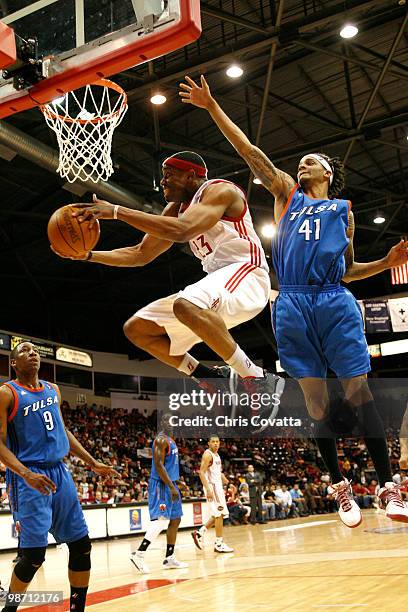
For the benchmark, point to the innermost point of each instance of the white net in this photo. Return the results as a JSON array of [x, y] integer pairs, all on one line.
[[84, 123]]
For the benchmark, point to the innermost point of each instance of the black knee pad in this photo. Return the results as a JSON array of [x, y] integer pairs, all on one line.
[[80, 555], [30, 562]]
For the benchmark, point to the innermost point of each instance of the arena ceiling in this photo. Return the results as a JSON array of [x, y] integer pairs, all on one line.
[[303, 89]]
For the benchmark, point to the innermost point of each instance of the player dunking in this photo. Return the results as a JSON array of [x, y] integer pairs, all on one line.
[[213, 481], [164, 499], [43, 498], [317, 322], [213, 216]]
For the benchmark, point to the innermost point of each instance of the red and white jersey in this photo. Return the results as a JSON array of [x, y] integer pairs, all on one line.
[[214, 470], [231, 240]]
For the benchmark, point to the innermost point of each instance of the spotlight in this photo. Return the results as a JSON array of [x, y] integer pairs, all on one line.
[[379, 217], [257, 181], [234, 71], [158, 99], [348, 31], [268, 230]]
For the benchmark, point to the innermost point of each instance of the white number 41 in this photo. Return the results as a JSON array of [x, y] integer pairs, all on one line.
[[307, 231]]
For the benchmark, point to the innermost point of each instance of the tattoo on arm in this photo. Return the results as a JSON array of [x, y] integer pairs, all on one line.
[[262, 167], [277, 182]]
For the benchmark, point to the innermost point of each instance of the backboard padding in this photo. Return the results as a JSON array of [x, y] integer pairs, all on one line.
[[105, 56]]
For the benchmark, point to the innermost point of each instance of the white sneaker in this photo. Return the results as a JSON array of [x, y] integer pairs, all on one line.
[[349, 511], [395, 508], [173, 563], [198, 539], [138, 561], [222, 547]]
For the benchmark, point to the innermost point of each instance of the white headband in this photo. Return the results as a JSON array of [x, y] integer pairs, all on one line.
[[324, 163]]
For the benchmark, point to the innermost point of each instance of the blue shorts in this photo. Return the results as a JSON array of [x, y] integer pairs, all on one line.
[[160, 502], [59, 513], [319, 328]]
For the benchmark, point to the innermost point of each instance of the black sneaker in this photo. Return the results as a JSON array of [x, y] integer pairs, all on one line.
[[224, 380], [270, 384]]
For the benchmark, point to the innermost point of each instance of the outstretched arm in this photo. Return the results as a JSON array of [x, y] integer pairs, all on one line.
[[397, 256], [134, 256], [79, 451], [197, 219], [276, 181]]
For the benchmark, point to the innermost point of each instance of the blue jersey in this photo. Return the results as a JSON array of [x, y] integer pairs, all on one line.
[[171, 460], [311, 241], [35, 430]]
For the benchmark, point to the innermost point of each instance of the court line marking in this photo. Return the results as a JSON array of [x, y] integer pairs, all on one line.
[[301, 525], [97, 597], [340, 605]]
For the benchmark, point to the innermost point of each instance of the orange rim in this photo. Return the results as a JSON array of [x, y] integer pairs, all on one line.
[[47, 112]]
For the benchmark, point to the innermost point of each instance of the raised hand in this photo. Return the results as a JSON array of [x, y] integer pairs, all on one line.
[[193, 94], [174, 494], [398, 254], [40, 482], [83, 257], [104, 470], [99, 209]]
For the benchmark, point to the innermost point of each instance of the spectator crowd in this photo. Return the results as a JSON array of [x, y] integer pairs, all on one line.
[[268, 479]]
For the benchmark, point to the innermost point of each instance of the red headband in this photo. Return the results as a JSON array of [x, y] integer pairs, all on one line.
[[182, 164]]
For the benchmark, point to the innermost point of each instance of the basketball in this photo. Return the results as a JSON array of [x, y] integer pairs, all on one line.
[[68, 236]]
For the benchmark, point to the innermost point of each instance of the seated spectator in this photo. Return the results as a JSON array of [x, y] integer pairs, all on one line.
[[238, 513], [279, 510], [299, 501], [283, 495], [268, 503], [327, 498], [313, 498], [361, 495], [244, 497], [98, 498]]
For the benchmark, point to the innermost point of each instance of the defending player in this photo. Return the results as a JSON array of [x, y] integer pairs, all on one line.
[[43, 498], [213, 481], [164, 500], [317, 321], [213, 216]]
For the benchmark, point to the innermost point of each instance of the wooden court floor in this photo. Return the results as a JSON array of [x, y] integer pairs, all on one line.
[[313, 563]]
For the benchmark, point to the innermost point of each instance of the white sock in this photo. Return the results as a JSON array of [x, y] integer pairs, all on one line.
[[188, 364], [202, 530], [140, 553], [243, 365], [218, 540]]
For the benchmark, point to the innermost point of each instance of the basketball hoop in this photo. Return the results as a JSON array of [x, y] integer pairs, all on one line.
[[84, 123]]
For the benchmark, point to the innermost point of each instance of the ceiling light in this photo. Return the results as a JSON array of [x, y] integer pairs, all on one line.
[[158, 99], [348, 31], [379, 217], [268, 230], [257, 181], [234, 71]]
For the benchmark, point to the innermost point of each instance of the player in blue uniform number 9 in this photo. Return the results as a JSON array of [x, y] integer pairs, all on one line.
[[317, 322], [43, 497]]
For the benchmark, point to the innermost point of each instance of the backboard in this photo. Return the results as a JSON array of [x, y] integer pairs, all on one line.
[[81, 41]]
